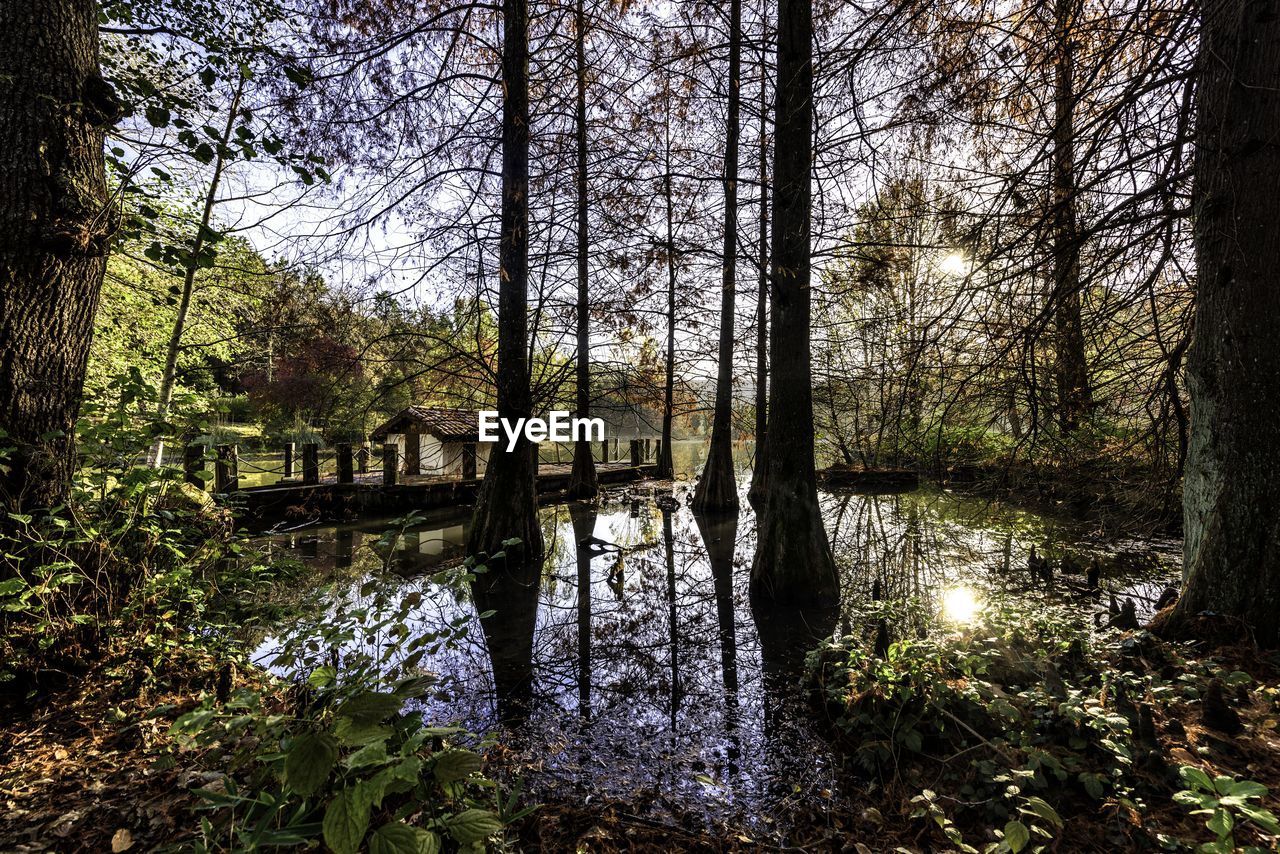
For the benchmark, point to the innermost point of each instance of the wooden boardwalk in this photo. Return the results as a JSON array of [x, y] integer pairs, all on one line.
[[367, 494]]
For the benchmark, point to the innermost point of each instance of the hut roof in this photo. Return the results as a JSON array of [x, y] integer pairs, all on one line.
[[447, 425]]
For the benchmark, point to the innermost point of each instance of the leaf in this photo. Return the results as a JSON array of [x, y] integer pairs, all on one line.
[[1016, 835], [371, 754], [1195, 778], [1247, 789], [1042, 808], [370, 707], [322, 677], [473, 825], [400, 838], [311, 758], [158, 117], [345, 822], [455, 765], [1221, 822], [121, 841], [1263, 818]]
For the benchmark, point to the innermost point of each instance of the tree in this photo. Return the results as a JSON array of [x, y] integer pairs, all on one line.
[[1231, 559], [55, 228], [582, 480], [1075, 399], [793, 561], [717, 490], [507, 505]]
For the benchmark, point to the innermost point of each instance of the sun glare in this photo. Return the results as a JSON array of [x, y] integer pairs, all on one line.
[[954, 264], [960, 605]]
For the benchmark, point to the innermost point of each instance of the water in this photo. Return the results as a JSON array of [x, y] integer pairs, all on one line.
[[642, 675]]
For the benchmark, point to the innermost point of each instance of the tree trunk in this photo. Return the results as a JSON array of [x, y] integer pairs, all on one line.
[[1231, 558], [507, 505], [666, 465], [758, 471], [55, 229], [169, 375], [717, 490], [793, 563], [1075, 398], [582, 481]]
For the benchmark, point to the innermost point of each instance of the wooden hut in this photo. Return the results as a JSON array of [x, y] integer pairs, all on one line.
[[436, 442]]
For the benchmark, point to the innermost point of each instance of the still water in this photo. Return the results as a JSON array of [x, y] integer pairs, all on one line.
[[630, 666]]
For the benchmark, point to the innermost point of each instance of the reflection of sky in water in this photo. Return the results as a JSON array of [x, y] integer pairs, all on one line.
[[644, 672]]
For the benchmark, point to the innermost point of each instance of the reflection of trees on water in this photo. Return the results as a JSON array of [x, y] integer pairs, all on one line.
[[511, 593], [646, 658], [719, 537]]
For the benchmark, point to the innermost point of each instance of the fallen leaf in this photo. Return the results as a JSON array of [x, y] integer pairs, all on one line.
[[122, 841]]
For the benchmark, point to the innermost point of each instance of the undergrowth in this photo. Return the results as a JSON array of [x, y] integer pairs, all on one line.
[[1029, 726]]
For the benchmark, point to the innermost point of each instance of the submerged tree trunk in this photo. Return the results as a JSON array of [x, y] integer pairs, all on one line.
[[1231, 557], [793, 561], [1075, 398], [55, 228], [582, 481], [666, 466], [758, 471], [717, 490], [507, 505]]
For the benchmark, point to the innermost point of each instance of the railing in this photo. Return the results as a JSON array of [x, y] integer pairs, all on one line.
[[346, 460]]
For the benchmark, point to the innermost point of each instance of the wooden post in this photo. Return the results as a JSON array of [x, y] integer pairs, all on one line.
[[413, 453], [362, 458], [390, 464], [533, 449], [657, 448], [226, 470], [635, 453], [346, 463], [604, 450], [193, 465], [290, 451], [310, 463], [647, 449], [617, 449], [469, 461]]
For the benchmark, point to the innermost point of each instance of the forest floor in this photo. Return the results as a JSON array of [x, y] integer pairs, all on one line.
[[94, 770]]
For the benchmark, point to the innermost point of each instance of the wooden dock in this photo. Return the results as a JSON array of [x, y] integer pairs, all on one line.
[[367, 494]]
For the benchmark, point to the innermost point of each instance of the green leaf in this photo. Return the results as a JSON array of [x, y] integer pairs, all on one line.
[[1016, 835], [12, 586], [345, 822], [455, 765], [370, 708], [400, 838], [370, 754], [311, 758], [473, 825], [322, 677], [158, 117], [1195, 778], [1263, 818], [1247, 789], [1221, 823], [1042, 808]]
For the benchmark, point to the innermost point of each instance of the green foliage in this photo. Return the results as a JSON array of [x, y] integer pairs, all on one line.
[[352, 763], [1027, 709], [1227, 802]]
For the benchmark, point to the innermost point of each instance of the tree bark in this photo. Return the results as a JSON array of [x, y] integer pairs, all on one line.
[[1075, 397], [583, 482], [666, 465], [507, 505], [1231, 557], [717, 490], [55, 229], [758, 471], [793, 563]]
